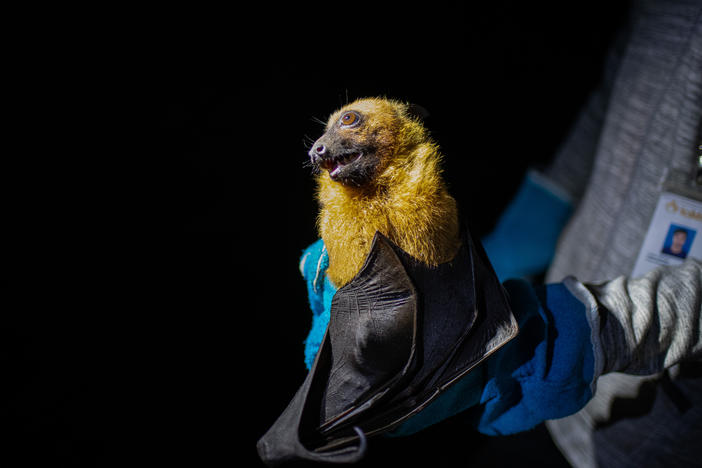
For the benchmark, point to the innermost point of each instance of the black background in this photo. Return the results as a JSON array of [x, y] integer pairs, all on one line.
[[166, 321]]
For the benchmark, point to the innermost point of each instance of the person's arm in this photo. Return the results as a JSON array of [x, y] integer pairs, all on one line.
[[570, 334], [637, 326]]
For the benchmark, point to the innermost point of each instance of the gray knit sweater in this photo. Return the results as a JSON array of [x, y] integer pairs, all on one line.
[[639, 131]]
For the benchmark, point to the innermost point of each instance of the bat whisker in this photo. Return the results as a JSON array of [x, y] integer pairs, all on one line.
[[318, 120]]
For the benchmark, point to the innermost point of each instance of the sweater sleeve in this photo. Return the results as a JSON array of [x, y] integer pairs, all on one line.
[[644, 325]]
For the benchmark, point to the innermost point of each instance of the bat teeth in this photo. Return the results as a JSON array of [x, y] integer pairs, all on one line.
[[335, 164]]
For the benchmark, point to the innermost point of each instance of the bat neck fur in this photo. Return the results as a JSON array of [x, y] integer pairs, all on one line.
[[407, 202]]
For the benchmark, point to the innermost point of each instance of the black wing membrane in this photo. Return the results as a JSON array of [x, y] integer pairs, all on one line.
[[400, 333]]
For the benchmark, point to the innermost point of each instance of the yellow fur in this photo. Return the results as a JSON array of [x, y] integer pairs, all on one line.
[[407, 199]]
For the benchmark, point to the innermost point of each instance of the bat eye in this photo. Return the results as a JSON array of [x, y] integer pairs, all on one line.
[[349, 118]]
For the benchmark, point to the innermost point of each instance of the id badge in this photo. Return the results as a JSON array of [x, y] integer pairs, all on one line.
[[675, 231]]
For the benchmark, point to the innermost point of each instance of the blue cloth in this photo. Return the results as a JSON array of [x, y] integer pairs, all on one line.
[[320, 291], [524, 239], [545, 372]]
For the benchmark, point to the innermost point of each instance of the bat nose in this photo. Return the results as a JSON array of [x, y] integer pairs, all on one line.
[[318, 152], [319, 149]]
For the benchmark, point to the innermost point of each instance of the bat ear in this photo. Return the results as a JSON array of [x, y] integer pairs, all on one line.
[[417, 111]]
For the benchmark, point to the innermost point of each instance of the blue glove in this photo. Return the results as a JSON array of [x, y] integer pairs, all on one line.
[[313, 265], [547, 371], [524, 239]]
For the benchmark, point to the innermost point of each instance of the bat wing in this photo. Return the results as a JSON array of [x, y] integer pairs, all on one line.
[[400, 333]]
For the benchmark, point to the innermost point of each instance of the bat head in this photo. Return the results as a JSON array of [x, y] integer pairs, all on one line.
[[364, 138]]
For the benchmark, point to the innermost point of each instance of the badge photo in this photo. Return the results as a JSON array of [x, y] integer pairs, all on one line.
[[678, 241]]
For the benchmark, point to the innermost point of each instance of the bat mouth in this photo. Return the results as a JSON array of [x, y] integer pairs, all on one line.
[[336, 165]]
